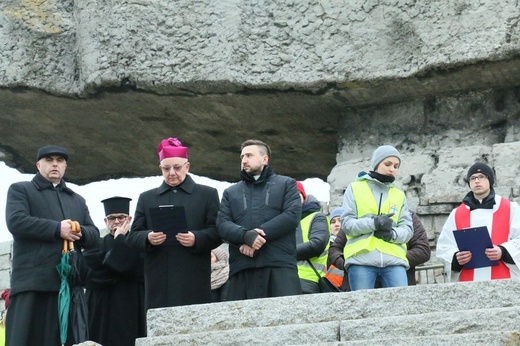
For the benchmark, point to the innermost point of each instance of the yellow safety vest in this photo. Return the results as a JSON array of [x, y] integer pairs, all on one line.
[[320, 263], [367, 204]]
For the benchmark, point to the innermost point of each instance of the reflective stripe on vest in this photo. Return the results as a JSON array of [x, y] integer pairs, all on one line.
[[335, 275], [367, 204], [499, 235], [320, 263]]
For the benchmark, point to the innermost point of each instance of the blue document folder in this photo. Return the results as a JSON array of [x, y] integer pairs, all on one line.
[[170, 220], [476, 240]]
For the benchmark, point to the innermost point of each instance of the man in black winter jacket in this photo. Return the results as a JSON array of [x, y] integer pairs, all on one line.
[[258, 217], [39, 215]]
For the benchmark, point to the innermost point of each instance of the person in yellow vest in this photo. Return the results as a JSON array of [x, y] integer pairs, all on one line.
[[482, 207], [5, 296], [378, 225], [312, 242], [417, 251]]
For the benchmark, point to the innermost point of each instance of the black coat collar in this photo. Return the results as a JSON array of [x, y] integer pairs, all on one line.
[[43, 184], [188, 185], [266, 173], [473, 203]]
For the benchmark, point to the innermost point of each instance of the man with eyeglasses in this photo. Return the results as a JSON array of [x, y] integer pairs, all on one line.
[[115, 287], [482, 207], [177, 271], [39, 215]]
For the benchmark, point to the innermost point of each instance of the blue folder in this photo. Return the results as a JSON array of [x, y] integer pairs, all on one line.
[[476, 240], [170, 220]]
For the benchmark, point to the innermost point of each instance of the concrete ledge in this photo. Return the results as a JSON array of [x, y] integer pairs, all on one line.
[[432, 324], [503, 338], [280, 335], [308, 309]]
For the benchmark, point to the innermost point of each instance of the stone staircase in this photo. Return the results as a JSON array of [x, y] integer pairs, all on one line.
[[480, 313]]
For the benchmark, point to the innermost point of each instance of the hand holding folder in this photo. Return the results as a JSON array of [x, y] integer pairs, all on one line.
[[476, 240]]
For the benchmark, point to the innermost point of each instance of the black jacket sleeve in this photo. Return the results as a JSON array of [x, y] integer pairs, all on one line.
[[336, 250], [418, 251], [318, 238]]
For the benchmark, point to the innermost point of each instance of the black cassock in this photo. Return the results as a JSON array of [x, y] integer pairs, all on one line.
[[115, 292]]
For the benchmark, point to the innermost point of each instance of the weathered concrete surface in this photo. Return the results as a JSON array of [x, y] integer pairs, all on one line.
[[440, 138], [340, 306], [216, 73], [434, 180], [439, 314]]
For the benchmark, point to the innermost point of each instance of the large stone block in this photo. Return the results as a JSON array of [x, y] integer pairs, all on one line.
[[314, 333], [293, 310]]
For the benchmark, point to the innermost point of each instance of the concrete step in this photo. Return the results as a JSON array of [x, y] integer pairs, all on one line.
[[420, 327], [313, 308], [266, 336], [320, 335], [432, 324], [500, 338]]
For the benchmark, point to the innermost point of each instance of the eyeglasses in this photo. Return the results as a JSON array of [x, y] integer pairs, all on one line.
[[478, 177], [176, 168], [119, 217]]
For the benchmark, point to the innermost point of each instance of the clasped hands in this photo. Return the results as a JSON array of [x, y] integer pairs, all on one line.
[[70, 230], [253, 242], [384, 227], [494, 254]]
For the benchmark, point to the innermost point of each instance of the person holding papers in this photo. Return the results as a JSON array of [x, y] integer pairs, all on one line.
[[177, 271], [481, 207]]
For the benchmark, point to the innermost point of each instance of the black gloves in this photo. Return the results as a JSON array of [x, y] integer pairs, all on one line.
[[250, 237], [385, 235], [383, 223]]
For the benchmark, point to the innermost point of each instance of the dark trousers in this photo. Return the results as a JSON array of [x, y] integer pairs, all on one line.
[[264, 283]]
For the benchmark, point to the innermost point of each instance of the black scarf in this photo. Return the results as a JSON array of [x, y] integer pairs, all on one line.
[[266, 173], [382, 177], [473, 203]]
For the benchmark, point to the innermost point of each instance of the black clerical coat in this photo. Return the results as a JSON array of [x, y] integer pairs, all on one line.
[[177, 275], [115, 292]]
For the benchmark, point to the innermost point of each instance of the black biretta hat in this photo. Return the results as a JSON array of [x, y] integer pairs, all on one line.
[[50, 150], [117, 205]]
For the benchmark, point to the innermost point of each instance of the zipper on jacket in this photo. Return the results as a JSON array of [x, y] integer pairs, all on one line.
[[267, 195], [244, 198]]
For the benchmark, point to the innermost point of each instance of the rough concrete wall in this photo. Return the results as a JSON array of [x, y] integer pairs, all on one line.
[[430, 77], [5, 265], [446, 136], [73, 47]]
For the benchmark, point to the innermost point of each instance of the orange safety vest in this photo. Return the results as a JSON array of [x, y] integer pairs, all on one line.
[[499, 235], [335, 275]]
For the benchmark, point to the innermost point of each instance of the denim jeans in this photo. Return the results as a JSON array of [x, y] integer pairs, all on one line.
[[364, 277]]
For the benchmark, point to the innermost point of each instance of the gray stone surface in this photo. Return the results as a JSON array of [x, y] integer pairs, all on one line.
[[480, 313], [71, 47], [465, 321], [5, 265], [277, 335], [502, 338], [323, 82], [216, 73], [357, 305]]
